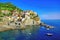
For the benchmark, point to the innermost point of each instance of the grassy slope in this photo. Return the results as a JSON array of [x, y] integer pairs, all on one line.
[[8, 6]]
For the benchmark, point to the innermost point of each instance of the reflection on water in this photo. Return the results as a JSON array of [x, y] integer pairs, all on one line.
[[19, 34]]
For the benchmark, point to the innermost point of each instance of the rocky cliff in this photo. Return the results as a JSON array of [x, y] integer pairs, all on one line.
[[10, 14]]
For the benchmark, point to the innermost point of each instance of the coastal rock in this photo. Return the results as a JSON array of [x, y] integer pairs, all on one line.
[[15, 18]]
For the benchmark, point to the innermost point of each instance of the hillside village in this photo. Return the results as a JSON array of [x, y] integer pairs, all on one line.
[[11, 16]]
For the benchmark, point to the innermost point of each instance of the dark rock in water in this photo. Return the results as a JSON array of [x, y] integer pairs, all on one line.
[[49, 34]]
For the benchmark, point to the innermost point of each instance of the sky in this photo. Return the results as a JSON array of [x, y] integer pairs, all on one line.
[[46, 9]]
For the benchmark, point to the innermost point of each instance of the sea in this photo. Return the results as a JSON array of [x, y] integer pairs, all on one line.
[[38, 34]]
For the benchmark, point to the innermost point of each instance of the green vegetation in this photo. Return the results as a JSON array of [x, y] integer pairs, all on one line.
[[8, 6]]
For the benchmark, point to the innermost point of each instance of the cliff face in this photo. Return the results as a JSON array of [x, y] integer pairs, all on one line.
[[31, 18], [10, 14]]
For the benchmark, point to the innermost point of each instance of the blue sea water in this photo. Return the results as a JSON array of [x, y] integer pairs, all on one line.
[[40, 34]]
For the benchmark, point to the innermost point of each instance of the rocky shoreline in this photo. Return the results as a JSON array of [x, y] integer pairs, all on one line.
[[12, 17]]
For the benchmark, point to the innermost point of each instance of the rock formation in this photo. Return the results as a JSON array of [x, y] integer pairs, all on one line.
[[12, 17]]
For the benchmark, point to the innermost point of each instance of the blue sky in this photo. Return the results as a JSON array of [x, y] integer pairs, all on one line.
[[46, 9]]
